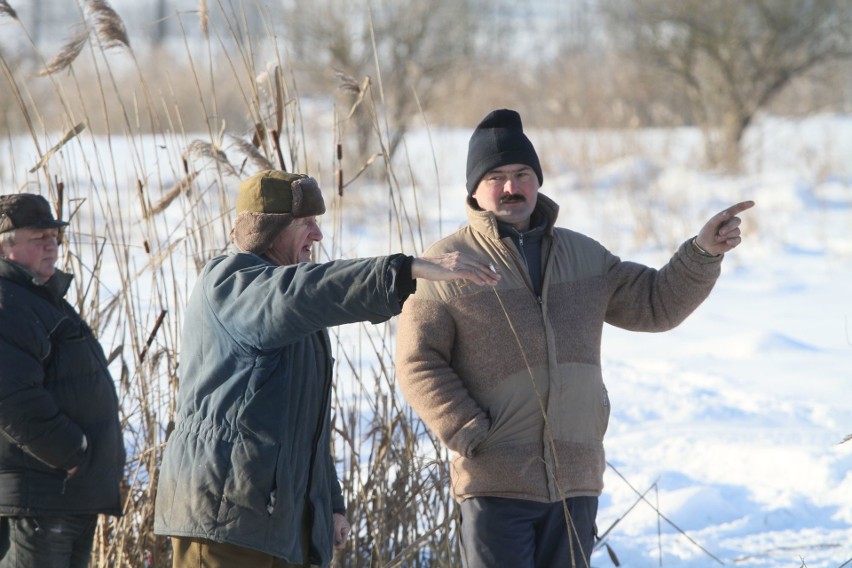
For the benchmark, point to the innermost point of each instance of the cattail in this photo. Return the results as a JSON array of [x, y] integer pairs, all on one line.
[[279, 99], [612, 556], [339, 169], [60, 198], [152, 335], [259, 135], [66, 55], [140, 193]]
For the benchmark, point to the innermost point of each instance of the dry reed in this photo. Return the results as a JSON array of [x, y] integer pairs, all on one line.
[[7, 10], [70, 135], [106, 24], [66, 56], [142, 227]]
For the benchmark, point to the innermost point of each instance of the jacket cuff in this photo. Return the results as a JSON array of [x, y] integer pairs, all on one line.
[[691, 250], [338, 505], [77, 457], [471, 435], [399, 275]]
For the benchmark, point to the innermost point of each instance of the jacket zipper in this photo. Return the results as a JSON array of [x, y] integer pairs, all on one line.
[[525, 271], [325, 398], [317, 435]]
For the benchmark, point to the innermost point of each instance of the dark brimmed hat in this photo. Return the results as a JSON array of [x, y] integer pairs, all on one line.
[[26, 210], [267, 203], [497, 141]]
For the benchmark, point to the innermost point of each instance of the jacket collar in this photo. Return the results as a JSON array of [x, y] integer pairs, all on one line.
[[486, 223], [56, 287], [233, 250]]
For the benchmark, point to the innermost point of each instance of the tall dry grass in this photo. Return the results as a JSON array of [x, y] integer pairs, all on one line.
[[150, 201]]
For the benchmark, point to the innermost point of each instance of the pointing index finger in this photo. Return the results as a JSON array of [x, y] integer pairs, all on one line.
[[737, 209]]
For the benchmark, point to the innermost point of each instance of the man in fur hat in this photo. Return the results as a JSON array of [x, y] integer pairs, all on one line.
[[509, 378], [247, 477]]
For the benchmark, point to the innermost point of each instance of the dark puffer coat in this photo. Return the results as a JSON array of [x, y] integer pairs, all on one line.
[[54, 388]]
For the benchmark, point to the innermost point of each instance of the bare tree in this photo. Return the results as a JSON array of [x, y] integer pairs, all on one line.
[[405, 47], [732, 57]]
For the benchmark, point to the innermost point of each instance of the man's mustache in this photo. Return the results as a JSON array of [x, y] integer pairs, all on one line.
[[514, 198]]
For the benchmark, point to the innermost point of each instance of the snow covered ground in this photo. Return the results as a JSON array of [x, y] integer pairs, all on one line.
[[736, 418], [731, 425]]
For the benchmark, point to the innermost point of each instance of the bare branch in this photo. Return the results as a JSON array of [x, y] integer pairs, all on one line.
[[733, 58]]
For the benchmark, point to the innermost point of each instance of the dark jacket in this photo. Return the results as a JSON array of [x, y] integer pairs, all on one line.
[[54, 388], [512, 381], [249, 459]]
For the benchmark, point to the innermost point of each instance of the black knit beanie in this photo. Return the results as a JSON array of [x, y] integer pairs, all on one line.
[[499, 140]]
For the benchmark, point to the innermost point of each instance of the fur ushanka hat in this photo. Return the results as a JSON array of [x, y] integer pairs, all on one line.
[[267, 203]]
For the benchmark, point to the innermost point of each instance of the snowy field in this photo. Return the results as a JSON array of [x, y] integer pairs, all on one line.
[[736, 419], [731, 425]]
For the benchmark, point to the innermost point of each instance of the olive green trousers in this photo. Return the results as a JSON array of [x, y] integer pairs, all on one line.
[[202, 553]]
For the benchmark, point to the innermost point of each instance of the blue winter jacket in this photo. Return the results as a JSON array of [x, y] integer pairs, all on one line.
[[249, 460]]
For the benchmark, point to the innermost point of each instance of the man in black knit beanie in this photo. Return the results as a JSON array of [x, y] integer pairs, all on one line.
[[509, 378]]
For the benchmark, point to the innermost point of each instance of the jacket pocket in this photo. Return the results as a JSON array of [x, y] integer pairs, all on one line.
[[251, 480], [579, 408]]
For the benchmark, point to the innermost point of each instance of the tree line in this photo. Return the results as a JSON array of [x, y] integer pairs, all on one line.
[[616, 63]]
